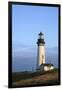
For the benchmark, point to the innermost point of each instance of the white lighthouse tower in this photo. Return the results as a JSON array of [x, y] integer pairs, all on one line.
[[41, 50]]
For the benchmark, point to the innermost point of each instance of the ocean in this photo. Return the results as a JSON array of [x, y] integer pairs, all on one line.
[[29, 63]]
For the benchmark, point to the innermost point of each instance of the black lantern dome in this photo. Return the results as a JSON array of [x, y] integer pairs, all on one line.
[[41, 39]]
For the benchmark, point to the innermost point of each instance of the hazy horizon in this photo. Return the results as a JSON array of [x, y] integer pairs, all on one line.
[[27, 61]]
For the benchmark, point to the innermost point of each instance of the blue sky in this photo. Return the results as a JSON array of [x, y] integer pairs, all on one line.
[[27, 22]]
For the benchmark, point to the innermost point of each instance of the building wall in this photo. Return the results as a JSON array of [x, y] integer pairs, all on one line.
[[41, 54], [52, 67], [46, 68]]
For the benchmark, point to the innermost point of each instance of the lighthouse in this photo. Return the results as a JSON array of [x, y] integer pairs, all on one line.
[[41, 50], [41, 64]]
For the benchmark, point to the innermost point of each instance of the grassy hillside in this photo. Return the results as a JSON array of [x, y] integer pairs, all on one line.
[[34, 78]]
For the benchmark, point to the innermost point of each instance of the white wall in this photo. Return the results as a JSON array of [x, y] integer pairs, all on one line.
[[41, 51], [52, 67], [46, 68]]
